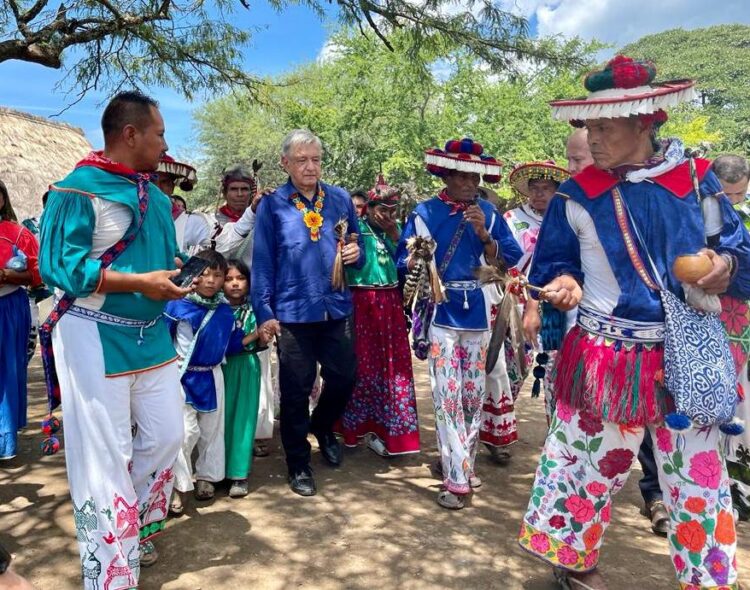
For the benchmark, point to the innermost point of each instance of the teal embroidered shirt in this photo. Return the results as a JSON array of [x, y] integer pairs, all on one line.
[[86, 213]]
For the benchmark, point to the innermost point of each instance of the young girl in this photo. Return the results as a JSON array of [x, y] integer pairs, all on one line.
[[241, 383]]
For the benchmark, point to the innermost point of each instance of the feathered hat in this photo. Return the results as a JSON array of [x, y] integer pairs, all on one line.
[[185, 175], [464, 155], [383, 194], [624, 88], [521, 175]]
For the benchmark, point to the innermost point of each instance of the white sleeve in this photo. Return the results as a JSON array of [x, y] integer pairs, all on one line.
[[197, 231], [246, 224]]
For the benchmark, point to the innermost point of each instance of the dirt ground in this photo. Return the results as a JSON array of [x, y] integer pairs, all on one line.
[[373, 524]]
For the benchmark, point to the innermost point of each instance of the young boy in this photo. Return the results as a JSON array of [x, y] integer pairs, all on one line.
[[204, 331]]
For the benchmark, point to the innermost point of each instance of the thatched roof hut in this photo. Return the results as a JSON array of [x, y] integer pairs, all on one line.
[[35, 152]]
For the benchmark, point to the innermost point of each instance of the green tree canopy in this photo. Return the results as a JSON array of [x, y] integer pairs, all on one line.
[[193, 45], [719, 59], [377, 109]]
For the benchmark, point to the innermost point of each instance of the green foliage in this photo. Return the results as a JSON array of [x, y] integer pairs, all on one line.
[[719, 59], [377, 109]]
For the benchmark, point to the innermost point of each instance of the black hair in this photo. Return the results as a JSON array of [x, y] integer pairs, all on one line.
[[127, 108], [180, 199], [360, 193], [240, 266], [215, 260], [6, 211], [45, 196]]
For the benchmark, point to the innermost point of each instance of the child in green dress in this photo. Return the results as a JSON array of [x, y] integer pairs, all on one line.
[[242, 384]]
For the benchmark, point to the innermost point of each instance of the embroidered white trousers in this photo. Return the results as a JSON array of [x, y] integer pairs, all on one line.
[[206, 431], [122, 435]]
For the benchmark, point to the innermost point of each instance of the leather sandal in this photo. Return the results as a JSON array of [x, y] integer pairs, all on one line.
[[450, 500], [176, 508], [570, 581], [204, 490], [657, 513]]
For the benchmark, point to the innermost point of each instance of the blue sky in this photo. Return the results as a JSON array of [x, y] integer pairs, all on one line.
[[297, 36], [286, 40]]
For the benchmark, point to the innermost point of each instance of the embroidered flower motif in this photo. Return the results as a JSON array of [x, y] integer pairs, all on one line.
[[589, 423], [564, 412], [705, 469], [695, 504], [581, 509], [717, 562], [591, 559], [596, 488], [679, 563], [664, 440], [691, 535], [452, 385], [615, 462], [567, 556], [606, 513], [557, 521], [435, 350], [734, 315], [725, 533], [592, 535], [540, 543]]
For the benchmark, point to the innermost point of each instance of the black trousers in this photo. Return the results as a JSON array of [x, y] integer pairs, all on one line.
[[301, 348]]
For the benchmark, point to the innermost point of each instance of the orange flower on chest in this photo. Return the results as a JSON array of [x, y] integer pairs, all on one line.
[[313, 220]]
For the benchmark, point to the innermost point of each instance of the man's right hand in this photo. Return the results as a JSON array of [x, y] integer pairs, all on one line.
[[564, 292], [158, 286], [269, 329]]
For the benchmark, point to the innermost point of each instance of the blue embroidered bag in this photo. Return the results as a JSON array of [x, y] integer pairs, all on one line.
[[699, 370]]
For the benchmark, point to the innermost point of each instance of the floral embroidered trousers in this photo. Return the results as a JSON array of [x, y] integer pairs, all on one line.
[[122, 436], [586, 461], [457, 375], [499, 426]]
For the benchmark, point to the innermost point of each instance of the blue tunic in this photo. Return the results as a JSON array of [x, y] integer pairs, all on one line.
[[669, 218], [220, 337], [465, 308]]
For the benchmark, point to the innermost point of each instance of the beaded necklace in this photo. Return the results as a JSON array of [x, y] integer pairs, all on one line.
[[313, 218]]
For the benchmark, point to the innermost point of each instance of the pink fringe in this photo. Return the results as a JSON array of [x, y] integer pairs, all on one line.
[[615, 381]]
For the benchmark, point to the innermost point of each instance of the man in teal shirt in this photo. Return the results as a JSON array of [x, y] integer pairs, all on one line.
[[108, 248]]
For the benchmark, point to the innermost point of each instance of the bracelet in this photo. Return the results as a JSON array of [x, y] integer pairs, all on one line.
[[488, 241], [731, 261]]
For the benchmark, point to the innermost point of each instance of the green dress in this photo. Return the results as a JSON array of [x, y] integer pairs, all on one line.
[[241, 399]]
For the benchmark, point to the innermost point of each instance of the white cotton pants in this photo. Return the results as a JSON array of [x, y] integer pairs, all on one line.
[[264, 428], [122, 435], [204, 430]]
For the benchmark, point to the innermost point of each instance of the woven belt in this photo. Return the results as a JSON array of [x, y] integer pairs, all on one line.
[[619, 328], [462, 285], [197, 369], [113, 320]]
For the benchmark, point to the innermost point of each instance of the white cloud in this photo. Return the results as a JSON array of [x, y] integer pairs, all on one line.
[[622, 21]]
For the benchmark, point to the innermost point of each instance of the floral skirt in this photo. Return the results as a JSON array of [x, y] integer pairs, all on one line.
[[383, 402]]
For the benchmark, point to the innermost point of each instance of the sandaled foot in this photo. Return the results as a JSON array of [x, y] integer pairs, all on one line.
[[176, 508], [239, 488], [475, 482], [568, 580], [450, 500], [148, 554], [204, 490], [260, 449], [376, 445], [657, 513], [500, 455]]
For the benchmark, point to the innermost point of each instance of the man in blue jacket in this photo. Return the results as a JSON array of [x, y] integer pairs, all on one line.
[[298, 233]]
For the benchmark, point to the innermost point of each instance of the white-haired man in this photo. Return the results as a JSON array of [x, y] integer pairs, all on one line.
[[295, 247]]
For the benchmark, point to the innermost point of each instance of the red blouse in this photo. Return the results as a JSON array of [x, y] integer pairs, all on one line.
[[14, 234]]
